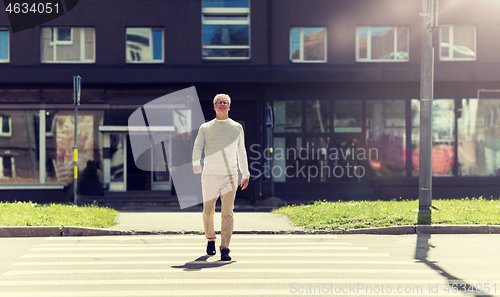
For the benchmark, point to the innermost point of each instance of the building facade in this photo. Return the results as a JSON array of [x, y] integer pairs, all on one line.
[[342, 77]]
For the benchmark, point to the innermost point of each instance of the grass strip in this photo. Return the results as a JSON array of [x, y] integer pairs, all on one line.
[[33, 214], [345, 215]]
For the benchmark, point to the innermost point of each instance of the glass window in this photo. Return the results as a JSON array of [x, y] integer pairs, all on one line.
[[288, 116], [6, 126], [457, 42], [317, 116], [4, 45], [289, 156], [382, 44], [443, 136], [479, 138], [68, 45], [144, 45], [19, 155], [59, 149], [385, 137], [226, 29], [308, 44], [347, 116]]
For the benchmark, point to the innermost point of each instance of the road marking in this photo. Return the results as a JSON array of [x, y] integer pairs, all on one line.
[[97, 263], [190, 244], [223, 281], [145, 247], [186, 237], [162, 293], [174, 255], [219, 270]]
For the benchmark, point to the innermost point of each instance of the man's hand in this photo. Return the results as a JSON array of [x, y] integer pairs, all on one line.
[[244, 184], [197, 169]]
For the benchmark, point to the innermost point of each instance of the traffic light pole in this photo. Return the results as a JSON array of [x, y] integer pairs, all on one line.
[[426, 97]]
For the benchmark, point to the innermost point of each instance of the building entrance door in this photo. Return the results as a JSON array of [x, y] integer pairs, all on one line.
[[348, 166], [160, 176]]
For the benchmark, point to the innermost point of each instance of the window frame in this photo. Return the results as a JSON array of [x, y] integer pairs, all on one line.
[[55, 41], [234, 11], [5, 134], [8, 46], [151, 61], [450, 43], [55, 44], [368, 58], [301, 41]]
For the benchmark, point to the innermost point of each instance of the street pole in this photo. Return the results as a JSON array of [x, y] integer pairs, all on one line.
[[429, 25], [77, 80]]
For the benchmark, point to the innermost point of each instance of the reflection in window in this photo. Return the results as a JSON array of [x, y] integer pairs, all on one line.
[[347, 116], [287, 160], [308, 44], [382, 44], [144, 45], [19, 151], [457, 42], [225, 29], [443, 137], [317, 116], [68, 45], [478, 138], [4, 45], [385, 132], [288, 116]]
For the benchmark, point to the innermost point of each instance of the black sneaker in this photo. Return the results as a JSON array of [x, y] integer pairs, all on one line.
[[211, 248], [224, 255]]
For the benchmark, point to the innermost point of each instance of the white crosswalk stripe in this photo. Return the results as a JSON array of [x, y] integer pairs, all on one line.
[[263, 265]]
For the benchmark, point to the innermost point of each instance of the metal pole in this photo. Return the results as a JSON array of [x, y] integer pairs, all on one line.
[[76, 102], [426, 97], [75, 154]]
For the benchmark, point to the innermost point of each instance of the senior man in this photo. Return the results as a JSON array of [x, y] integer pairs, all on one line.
[[223, 143]]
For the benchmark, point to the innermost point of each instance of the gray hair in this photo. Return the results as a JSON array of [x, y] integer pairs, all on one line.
[[222, 96]]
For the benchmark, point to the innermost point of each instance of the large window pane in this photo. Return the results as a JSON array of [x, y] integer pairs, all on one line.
[[19, 158], [443, 136], [144, 45], [308, 44], [60, 143], [478, 138], [287, 160], [347, 116], [457, 42], [68, 45], [382, 43], [385, 135], [317, 116], [4, 45], [221, 53], [225, 35], [288, 116]]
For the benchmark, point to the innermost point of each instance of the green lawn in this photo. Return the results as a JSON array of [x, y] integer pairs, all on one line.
[[323, 215], [33, 214]]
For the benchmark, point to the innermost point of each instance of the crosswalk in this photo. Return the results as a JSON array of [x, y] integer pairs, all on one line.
[[263, 265]]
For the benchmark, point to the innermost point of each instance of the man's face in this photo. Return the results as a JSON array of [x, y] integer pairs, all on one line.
[[221, 106]]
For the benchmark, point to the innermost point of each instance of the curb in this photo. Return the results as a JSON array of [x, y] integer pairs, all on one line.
[[39, 231]]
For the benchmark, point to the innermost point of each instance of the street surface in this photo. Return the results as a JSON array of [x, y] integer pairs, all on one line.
[[263, 265]]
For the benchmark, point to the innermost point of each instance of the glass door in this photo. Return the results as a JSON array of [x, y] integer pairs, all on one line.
[[349, 164], [118, 164], [160, 176]]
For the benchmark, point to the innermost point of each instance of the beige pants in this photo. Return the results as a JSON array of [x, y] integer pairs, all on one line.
[[213, 186]]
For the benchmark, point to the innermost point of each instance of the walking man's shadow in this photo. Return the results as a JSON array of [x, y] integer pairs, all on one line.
[[202, 263]]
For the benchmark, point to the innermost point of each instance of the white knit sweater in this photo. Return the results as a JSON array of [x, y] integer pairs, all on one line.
[[218, 135]]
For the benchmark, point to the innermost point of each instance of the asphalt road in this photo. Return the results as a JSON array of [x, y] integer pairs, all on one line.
[[263, 265]]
